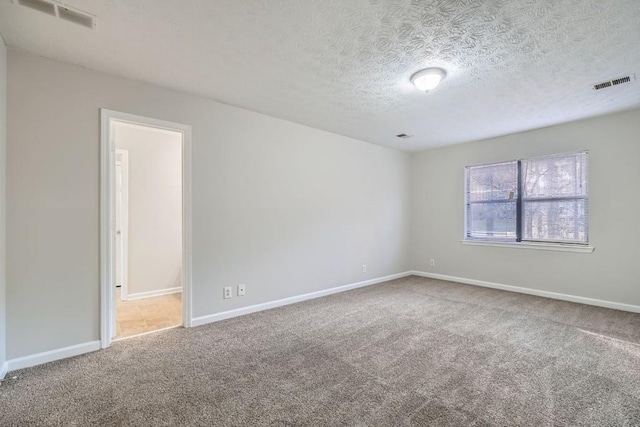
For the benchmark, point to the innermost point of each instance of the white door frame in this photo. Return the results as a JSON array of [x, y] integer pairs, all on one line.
[[107, 214], [124, 224]]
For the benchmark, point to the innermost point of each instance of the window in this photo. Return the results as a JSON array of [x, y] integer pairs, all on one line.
[[543, 199]]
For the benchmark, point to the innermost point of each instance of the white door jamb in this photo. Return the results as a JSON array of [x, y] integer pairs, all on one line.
[[124, 224]]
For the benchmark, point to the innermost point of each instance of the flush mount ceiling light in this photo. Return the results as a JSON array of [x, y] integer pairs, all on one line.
[[427, 79]]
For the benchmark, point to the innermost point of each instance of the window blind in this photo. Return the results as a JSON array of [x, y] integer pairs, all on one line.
[[543, 199], [491, 201], [554, 200]]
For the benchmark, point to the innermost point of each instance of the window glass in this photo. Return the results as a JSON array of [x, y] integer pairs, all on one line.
[[553, 206]]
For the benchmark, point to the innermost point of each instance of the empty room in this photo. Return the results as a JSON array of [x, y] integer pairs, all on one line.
[[319, 213]]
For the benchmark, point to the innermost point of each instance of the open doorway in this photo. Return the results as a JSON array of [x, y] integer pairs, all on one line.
[[144, 226], [148, 231]]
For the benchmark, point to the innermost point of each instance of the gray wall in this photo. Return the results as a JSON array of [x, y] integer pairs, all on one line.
[[611, 273], [283, 208], [3, 146]]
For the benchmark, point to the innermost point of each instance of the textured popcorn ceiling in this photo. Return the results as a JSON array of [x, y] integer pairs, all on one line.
[[344, 66]]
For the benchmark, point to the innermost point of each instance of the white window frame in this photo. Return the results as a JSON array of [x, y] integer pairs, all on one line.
[[563, 246]]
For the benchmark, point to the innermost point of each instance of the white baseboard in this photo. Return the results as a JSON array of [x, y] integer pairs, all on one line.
[[52, 355], [3, 370], [198, 321], [149, 294], [529, 291]]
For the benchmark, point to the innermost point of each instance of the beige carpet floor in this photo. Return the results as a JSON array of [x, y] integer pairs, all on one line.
[[412, 351]]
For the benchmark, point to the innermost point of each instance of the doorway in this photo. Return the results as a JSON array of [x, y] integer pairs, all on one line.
[[145, 226]]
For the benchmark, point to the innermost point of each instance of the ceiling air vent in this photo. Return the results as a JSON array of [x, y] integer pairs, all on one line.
[[403, 135], [615, 82], [60, 10], [39, 5], [77, 17]]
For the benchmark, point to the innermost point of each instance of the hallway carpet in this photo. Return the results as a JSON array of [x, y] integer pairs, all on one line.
[[412, 351]]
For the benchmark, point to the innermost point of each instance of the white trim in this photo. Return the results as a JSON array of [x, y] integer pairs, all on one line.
[[198, 321], [157, 293], [124, 224], [107, 240], [187, 268], [107, 148], [529, 291], [532, 245], [52, 355], [3, 370]]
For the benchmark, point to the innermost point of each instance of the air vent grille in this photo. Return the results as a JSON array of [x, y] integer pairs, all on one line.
[[610, 83], [602, 85], [621, 80], [75, 17], [60, 10], [39, 5]]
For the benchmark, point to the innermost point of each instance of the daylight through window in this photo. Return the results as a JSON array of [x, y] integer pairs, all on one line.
[[544, 199]]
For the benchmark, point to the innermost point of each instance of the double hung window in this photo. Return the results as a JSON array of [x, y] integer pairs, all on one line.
[[543, 199]]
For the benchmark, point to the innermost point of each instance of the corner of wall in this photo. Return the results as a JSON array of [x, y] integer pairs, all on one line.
[[3, 180]]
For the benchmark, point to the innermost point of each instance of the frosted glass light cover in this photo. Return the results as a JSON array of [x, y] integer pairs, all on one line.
[[428, 79]]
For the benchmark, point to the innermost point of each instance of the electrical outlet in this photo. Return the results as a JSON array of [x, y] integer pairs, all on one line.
[[432, 262], [240, 290], [364, 268], [228, 293]]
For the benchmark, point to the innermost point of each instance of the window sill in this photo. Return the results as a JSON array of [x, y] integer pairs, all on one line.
[[585, 249]]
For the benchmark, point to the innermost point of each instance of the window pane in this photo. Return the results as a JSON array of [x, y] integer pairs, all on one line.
[[495, 220], [558, 176], [559, 221], [491, 201], [492, 182]]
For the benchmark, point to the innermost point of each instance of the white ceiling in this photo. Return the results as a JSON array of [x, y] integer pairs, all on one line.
[[344, 66]]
